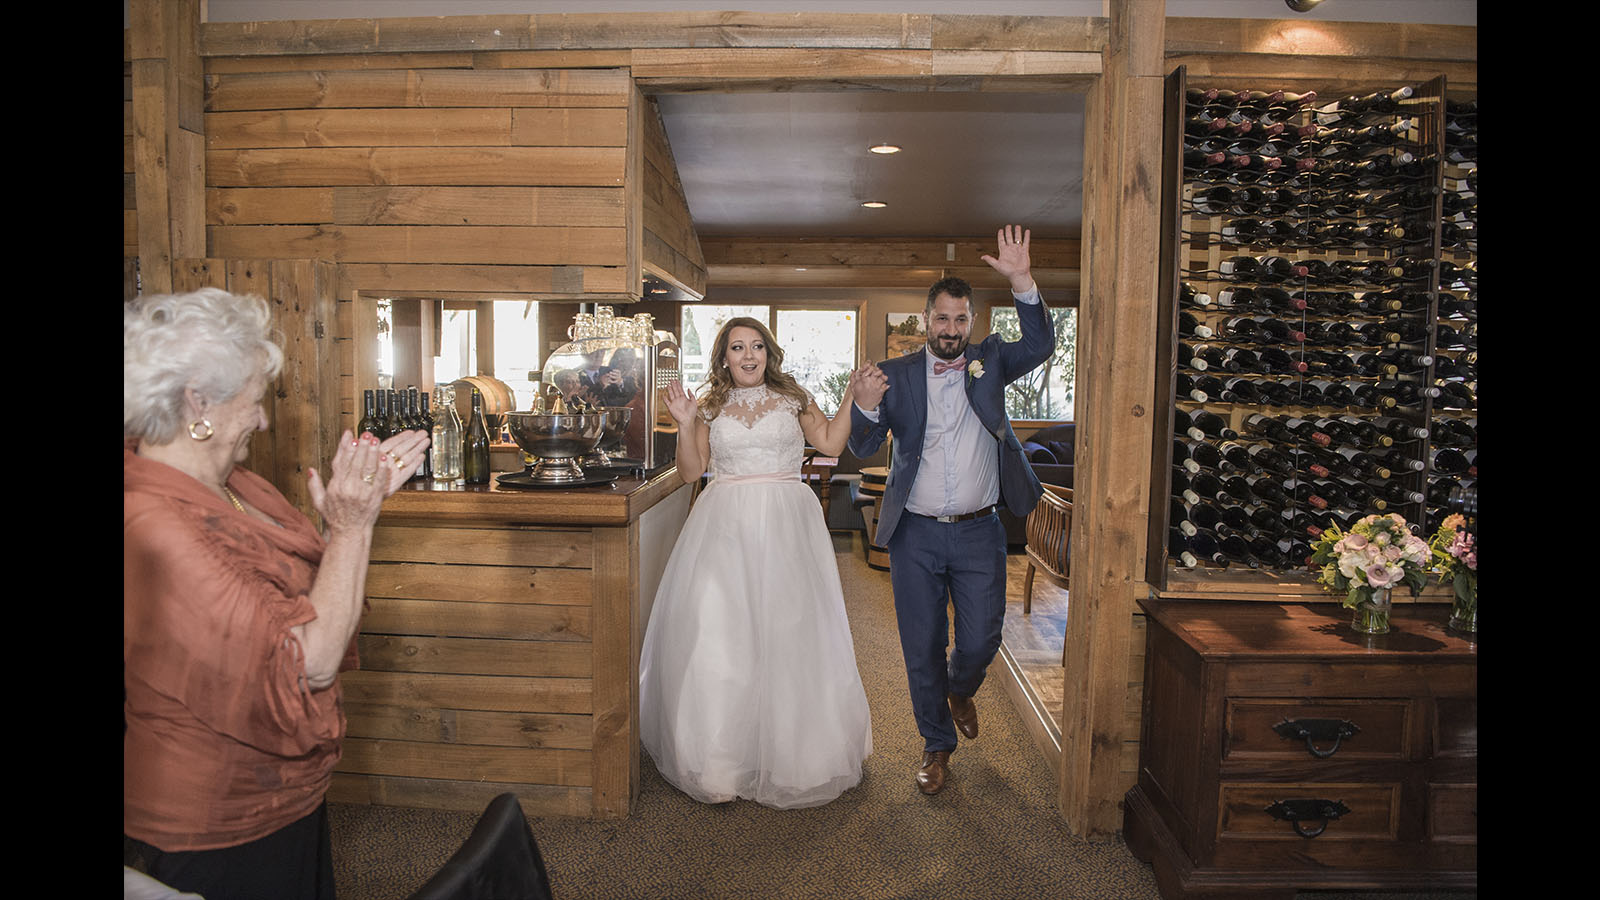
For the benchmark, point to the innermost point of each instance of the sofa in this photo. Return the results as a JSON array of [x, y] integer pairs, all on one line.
[[1050, 452]]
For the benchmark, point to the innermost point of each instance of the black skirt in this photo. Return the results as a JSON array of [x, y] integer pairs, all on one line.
[[293, 863]]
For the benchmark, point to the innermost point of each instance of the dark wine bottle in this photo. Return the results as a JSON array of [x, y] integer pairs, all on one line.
[[369, 417], [381, 422], [395, 423], [427, 423], [475, 445]]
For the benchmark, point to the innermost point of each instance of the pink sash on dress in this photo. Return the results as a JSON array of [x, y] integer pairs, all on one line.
[[758, 478]]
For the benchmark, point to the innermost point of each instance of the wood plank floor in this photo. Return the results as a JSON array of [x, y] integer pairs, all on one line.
[[1031, 646]]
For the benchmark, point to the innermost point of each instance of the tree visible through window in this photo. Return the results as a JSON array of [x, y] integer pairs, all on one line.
[[1046, 392]]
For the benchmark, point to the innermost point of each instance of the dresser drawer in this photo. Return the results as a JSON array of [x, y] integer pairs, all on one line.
[[1372, 812], [1455, 727], [1299, 730], [1453, 812]]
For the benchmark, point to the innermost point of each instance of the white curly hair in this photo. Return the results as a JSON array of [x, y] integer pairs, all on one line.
[[209, 340]]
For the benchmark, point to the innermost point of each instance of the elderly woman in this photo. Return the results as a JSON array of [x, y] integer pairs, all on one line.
[[237, 614]]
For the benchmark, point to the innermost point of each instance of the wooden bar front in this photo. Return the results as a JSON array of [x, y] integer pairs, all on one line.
[[500, 647]]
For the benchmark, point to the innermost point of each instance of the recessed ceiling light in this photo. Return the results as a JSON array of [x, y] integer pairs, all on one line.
[[885, 148], [874, 204]]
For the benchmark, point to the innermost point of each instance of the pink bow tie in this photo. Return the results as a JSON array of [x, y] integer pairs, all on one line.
[[940, 367]]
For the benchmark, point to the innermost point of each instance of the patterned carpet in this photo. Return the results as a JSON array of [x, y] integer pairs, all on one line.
[[993, 833]]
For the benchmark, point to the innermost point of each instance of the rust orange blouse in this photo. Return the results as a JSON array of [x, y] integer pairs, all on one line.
[[225, 743]]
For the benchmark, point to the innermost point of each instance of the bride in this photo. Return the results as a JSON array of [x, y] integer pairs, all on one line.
[[748, 684]]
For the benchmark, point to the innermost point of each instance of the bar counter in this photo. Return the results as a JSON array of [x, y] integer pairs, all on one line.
[[500, 646]]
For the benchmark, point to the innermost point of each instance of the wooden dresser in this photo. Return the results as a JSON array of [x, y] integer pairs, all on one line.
[[1280, 751]]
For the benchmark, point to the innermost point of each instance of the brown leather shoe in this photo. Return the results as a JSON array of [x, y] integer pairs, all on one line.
[[965, 712], [935, 769]]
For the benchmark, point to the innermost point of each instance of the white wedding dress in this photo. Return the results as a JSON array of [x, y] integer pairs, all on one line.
[[747, 681]]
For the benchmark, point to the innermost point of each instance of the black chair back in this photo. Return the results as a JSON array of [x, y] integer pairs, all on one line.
[[499, 861]]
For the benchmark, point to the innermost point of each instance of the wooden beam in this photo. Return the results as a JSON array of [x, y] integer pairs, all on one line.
[[1116, 339]]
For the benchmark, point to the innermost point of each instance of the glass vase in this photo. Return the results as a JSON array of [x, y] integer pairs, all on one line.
[[1372, 616], [1464, 615]]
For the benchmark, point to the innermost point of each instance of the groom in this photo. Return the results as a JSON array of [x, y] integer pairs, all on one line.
[[955, 457]]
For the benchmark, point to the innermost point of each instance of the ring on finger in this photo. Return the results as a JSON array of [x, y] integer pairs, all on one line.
[[368, 476], [399, 463]]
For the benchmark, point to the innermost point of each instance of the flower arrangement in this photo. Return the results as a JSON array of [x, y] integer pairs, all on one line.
[[1455, 560], [1377, 552]]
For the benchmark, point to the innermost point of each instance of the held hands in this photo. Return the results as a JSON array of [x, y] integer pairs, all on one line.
[[364, 473], [869, 384], [681, 404], [1013, 261]]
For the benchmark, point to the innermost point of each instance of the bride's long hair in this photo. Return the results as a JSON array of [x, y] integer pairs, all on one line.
[[721, 380]]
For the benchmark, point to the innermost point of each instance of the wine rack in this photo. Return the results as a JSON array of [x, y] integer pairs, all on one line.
[[1319, 324]]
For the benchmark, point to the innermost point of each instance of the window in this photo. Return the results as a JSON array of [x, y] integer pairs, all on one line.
[[1046, 392], [819, 345]]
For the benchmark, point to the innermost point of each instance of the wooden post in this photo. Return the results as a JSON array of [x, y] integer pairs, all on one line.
[[169, 137], [1116, 334]]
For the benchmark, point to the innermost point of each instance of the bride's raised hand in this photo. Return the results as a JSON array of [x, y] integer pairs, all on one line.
[[681, 403]]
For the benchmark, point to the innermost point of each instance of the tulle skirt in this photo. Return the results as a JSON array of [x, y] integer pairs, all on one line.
[[748, 684]]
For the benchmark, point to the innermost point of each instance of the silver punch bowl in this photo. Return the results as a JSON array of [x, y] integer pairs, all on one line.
[[616, 428], [557, 441]]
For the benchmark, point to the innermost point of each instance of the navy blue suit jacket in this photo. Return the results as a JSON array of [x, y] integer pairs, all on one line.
[[904, 411]]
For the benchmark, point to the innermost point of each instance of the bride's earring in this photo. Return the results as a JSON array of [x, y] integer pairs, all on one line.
[[194, 430]]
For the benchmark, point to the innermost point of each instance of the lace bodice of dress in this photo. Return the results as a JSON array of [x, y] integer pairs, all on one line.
[[757, 432]]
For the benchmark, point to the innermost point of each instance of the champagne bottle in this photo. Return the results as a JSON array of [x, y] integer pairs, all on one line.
[[369, 417], [445, 452], [475, 449]]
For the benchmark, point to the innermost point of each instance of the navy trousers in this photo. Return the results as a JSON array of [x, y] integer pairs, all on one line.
[[933, 566]]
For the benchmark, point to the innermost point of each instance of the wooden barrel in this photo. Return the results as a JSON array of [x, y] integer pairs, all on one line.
[[497, 397]]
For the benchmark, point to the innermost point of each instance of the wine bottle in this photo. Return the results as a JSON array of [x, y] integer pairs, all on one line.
[[1189, 325], [1452, 461], [381, 420], [1212, 425], [1398, 494], [475, 447], [1397, 460], [1241, 359], [1178, 549], [1189, 297], [395, 423], [445, 452], [1280, 361], [1204, 546], [1455, 395], [369, 417], [425, 419], [1399, 429], [1187, 390]]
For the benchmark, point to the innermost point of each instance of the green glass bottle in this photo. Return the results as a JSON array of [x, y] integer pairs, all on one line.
[[369, 416], [380, 422], [395, 423], [475, 452]]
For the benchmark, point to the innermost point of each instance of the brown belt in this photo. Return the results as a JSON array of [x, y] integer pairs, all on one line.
[[986, 511]]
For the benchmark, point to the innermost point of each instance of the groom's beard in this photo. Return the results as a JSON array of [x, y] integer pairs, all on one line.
[[941, 346]]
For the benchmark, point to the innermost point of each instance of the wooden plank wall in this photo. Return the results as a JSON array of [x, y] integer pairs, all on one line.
[[671, 246], [304, 416], [432, 172], [476, 677]]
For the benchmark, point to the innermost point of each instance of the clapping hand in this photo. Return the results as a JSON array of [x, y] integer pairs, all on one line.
[[363, 473], [681, 404], [1013, 261]]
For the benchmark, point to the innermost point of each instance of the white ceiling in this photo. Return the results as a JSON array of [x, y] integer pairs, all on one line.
[[796, 163]]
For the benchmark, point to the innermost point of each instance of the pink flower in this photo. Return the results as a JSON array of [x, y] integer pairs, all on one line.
[[1350, 542], [1382, 576]]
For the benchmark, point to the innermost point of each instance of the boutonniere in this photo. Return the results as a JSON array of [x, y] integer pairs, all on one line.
[[975, 368]]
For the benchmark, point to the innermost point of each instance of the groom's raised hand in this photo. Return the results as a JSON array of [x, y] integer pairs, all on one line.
[[1012, 259]]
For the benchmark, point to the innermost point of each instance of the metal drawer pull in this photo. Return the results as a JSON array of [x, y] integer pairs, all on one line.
[[1302, 810], [1313, 731]]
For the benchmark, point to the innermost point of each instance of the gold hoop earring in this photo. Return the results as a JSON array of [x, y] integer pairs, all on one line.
[[194, 427]]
